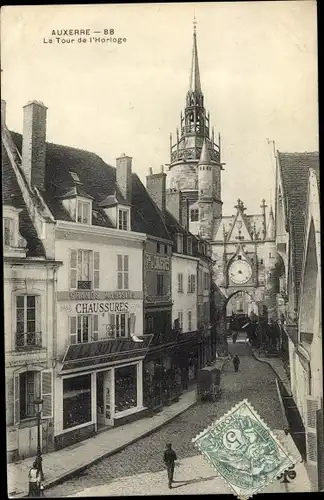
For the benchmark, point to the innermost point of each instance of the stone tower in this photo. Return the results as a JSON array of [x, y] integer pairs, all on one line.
[[185, 153]]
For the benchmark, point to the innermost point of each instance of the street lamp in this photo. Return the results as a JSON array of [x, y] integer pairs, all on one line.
[[38, 407]]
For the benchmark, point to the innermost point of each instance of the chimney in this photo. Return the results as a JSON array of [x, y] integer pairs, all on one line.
[[174, 203], [3, 112], [34, 143], [156, 185], [124, 176]]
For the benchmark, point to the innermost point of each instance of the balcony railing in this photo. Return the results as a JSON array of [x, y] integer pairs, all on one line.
[[84, 285], [28, 341]]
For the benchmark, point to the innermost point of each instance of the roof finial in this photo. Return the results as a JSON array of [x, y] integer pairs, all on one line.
[[194, 22]]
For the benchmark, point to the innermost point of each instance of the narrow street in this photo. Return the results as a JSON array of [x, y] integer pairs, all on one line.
[[137, 468]]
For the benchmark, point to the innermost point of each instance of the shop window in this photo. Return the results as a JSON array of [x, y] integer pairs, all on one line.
[[76, 401], [160, 285], [122, 272], [27, 335], [180, 282], [125, 388], [123, 217], [84, 212], [194, 215], [84, 269]]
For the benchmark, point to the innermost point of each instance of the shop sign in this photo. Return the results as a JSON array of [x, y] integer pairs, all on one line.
[[89, 295], [156, 262], [101, 307]]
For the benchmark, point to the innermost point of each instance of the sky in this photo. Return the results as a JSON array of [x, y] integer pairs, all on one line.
[[258, 67]]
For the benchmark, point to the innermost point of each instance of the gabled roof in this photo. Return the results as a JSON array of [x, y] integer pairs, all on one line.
[[98, 180], [11, 195], [294, 168]]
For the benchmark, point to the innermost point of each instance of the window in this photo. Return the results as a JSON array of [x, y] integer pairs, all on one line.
[[180, 318], [83, 328], [84, 269], [83, 212], [261, 261], [206, 281], [180, 243], [125, 388], [194, 215], [239, 257], [158, 247], [149, 324], [180, 282], [270, 256], [189, 246], [8, 229], [120, 325], [189, 321], [123, 219], [76, 401], [27, 387], [122, 272], [26, 335], [160, 285], [191, 283]]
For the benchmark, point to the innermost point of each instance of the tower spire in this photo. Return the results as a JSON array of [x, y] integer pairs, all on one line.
[[194, 82]]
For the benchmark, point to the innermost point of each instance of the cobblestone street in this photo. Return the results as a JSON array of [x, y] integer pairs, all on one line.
[[255, 381]]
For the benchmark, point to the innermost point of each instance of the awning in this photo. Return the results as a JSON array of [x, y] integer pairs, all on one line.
[[83, 356]]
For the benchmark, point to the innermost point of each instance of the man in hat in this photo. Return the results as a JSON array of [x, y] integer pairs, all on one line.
[[169, 458]]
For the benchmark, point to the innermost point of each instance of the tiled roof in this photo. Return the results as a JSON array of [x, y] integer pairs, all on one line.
[[97, 179], [294, 169], [11, 195]]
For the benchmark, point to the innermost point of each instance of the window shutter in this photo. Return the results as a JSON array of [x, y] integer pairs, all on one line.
[[193, 283], [73, 268], [95, 328], [119, 272], [96, 270], [126, 280], [189, 283], [73, 329], [16, 399], [47, 393], [311, 438], [320, 448], [179, 282], [112, 325]]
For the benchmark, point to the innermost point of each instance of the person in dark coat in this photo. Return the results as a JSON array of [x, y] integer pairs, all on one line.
[[169, 459], [236, 362]]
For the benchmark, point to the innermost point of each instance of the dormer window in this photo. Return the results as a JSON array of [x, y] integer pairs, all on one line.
[[189, 246], [123, 219], [180, 243], [83, 211], [9, 231]]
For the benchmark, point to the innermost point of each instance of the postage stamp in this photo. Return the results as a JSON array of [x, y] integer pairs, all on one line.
[[243, 450]]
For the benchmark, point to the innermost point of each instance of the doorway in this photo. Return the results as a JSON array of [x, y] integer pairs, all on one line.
[[104, 416]]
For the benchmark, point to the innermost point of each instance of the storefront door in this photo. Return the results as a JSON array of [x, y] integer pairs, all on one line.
[[104, 416]]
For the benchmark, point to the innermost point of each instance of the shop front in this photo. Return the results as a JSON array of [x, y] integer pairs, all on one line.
[[100, 385], [190, 356], [162, 379]]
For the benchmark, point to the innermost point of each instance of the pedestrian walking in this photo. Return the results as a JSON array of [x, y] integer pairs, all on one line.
[[34, 481], [169, 459], [236, 362]]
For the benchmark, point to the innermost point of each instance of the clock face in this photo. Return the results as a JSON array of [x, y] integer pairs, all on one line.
[[240, 272]]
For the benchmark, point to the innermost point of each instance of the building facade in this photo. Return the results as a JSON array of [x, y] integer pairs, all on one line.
[[299, 297], [30, 274]]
